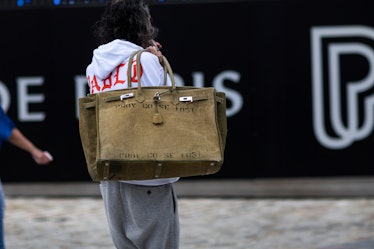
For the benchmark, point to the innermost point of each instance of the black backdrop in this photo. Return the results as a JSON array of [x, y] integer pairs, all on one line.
[[258, 52]]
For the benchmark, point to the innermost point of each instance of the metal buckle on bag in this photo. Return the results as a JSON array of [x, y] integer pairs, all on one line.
[[156, 97], [186, 99], [126, 96]]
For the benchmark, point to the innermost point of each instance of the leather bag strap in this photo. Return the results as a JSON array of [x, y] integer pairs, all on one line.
[[167, 70]]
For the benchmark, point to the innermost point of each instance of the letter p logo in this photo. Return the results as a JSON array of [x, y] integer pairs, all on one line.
[[342, 104]]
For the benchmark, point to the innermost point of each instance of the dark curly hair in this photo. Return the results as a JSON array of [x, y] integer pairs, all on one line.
[[125, 19]]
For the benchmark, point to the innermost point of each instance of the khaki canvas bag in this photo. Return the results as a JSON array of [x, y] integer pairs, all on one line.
[[142, 133]]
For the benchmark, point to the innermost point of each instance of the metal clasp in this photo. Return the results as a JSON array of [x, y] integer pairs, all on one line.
[[156, 97], [126, 96], [186, 99]]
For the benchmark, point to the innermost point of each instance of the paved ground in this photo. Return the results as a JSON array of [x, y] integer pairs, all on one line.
[[301, 213], [206, 223]]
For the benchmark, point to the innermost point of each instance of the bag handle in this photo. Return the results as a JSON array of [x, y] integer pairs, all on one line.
[[131, 58], [166, 65]]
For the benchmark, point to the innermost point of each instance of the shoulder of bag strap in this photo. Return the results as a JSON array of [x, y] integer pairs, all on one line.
[[131, 58]]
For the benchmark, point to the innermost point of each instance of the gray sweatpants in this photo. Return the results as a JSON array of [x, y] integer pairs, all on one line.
[[141, 217]]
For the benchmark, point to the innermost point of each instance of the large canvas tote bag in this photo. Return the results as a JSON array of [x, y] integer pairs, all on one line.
[[142, 133]]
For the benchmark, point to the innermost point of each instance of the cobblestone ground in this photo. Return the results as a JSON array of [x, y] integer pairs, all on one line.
[[206, 223]]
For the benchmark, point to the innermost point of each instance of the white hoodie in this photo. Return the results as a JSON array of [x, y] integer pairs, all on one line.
[[108, 71]]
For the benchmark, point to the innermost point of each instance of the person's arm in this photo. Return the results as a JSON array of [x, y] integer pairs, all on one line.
[[19, 140]]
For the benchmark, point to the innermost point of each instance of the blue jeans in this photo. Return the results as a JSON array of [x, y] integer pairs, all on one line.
[[2, 208]]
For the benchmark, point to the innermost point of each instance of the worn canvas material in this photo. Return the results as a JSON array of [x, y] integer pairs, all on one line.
[[153, 132]]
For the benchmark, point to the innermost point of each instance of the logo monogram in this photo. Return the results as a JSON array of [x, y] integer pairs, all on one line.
[[343, 110]]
